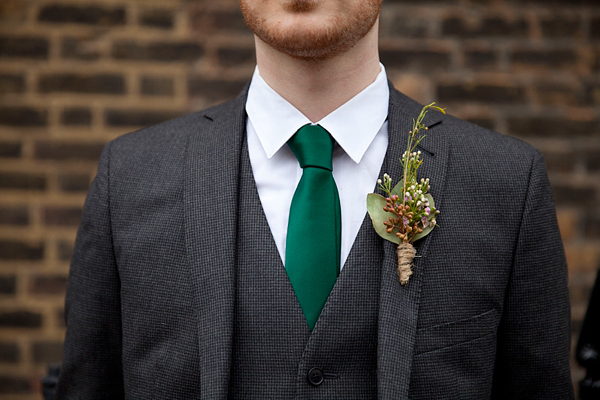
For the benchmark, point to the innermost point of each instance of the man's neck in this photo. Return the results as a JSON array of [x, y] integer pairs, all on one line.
[[318, 87]]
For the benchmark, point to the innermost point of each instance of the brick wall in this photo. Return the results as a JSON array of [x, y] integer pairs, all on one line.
[[77, 73]]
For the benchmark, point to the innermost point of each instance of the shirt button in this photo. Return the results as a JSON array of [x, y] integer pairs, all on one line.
[[315, 376]]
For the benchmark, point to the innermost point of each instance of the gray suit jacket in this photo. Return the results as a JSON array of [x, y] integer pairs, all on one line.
[[150, 301]]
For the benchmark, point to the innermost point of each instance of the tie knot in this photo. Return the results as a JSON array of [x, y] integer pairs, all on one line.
[[313, 147]]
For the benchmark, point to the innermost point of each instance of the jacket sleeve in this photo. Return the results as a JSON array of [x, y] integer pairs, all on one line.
[[92, 367], [532, 359]]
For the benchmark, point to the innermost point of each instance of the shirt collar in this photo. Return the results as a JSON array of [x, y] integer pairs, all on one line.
[[353, 125]]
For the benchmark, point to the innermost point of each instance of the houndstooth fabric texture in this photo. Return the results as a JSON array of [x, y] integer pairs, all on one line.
[[273, 347], [270, 331], [151, 297]]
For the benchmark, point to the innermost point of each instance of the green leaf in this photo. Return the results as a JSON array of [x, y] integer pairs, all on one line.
[[431, 216], [397, 190], [424, 233], [375, 204]]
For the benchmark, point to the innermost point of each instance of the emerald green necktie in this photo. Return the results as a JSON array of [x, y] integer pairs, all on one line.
[[312, 254]]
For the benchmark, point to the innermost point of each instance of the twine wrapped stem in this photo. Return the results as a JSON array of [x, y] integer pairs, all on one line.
[[406, 253]]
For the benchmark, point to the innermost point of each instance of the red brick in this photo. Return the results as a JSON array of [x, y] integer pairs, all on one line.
[[13, 250], [22, 181], [10, 384], [76, 116], [65, 250], [157, 86], [33, 47], [48, 285], [9, 352], [487, 123], [80, 49], [82, 83], [546, 58], [62, 151], [574, 196], [560, 25], [420, 60], [581, 258], [8, 286], [560, 162], [405, 27], [60, 317], [47, 352], [480, 59], [487, 27], [557, 94], [591, 226], [214, 89], [20, 319], [10, 149], [480, 93], [62, 216], [208, 21], [233, 57], [592, 160], [157, 51], [595, 28], [137, 117], [580, 288], [552, 127], [23, 116], [12, 83], [567, 3], [157, 18], [88, 15], [74, 182], [14, 215], [592, 93], [567, 222]]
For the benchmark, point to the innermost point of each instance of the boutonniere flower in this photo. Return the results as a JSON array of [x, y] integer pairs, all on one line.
[[408, 212]]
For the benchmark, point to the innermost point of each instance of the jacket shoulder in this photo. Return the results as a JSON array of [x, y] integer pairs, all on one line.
[[166, 141], [484, 158], [464, 135], [163, 134]]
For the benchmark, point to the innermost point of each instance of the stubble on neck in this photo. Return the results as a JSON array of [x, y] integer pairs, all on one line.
[[318, 86]]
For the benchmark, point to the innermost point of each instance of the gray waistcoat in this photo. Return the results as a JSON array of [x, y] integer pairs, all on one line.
[[273, 350]]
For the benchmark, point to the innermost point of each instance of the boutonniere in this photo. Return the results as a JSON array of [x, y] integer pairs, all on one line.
[[408, 212]]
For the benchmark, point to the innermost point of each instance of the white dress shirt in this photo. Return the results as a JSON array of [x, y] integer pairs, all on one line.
[[359, 128]]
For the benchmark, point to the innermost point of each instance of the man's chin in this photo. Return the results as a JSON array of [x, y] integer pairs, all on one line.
[[313, 49], [317, 35]]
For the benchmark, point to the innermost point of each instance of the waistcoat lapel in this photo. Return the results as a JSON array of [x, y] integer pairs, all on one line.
[[399, 305], [210, 196]]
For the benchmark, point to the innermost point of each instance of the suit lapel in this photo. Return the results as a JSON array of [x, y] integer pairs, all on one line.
[[211, 184], [210, 204], [399, 305]]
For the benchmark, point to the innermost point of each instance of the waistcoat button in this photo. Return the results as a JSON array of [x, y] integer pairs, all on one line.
[[315, 376]]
